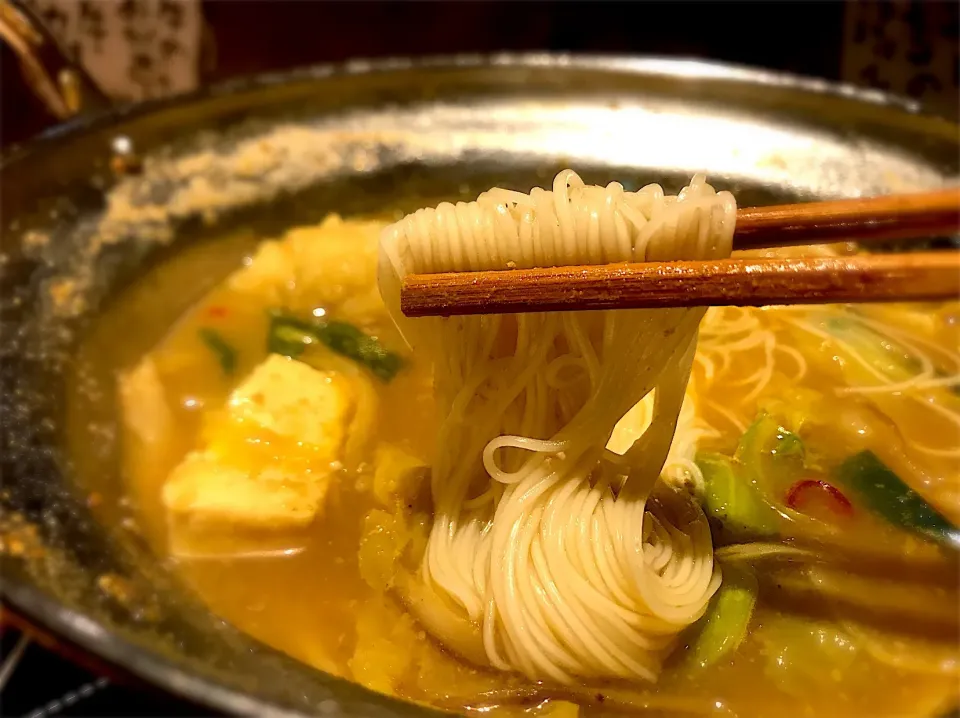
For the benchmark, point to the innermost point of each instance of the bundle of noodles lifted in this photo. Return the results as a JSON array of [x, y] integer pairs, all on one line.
[[556, 550]]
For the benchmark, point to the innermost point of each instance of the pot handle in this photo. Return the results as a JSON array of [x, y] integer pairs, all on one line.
[[63, 86]]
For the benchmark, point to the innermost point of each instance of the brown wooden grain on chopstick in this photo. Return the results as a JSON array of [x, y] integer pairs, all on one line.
[[866, 220], [736, 281]]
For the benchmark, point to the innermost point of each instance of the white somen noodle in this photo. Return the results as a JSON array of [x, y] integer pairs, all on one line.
[[571, 559]]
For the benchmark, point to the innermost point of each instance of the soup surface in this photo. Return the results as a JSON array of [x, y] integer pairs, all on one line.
[[276, 444]]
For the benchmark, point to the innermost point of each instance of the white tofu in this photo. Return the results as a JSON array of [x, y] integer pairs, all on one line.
[[335, 261], [332, 265], [268, 275], [267, 464], [149, 429], [296, 401], [209, 491], [146, 413]]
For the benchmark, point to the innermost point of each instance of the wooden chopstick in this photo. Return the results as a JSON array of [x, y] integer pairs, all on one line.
[[916, 276], [742, 282], [866, 220]]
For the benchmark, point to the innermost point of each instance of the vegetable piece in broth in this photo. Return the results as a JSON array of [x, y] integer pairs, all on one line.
[[226, 354], [346, 339], [881, 352], [290, 336], [733, 500], [772, 457], [725, 625], [802, 655], [886, 493]]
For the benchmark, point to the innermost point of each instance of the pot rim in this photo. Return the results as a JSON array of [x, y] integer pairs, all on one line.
[[683, 68]]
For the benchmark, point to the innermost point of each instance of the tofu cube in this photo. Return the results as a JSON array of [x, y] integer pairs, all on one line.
[[209, 491], [331, 265], [297, 402], [268, 274], [266, 463]]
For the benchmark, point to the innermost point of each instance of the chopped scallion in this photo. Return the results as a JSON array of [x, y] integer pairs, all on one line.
[[226, 354]]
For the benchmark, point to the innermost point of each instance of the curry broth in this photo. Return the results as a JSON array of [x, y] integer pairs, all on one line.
[[317, 606]]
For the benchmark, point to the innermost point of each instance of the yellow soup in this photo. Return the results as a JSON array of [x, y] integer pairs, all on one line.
[[277, 444]]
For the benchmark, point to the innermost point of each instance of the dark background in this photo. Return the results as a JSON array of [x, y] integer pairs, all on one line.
[[898, 45], [800, 37]]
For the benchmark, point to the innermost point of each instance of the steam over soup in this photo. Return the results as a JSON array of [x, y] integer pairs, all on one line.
[[749, 512]]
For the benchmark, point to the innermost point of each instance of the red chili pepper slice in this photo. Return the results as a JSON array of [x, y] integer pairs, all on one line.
[[217, 311], [840, 502]]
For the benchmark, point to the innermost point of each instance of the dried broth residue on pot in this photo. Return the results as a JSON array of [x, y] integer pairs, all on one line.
[[210, 175]]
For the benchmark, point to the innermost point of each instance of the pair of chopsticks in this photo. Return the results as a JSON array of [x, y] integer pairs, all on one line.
[[912, 276]]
